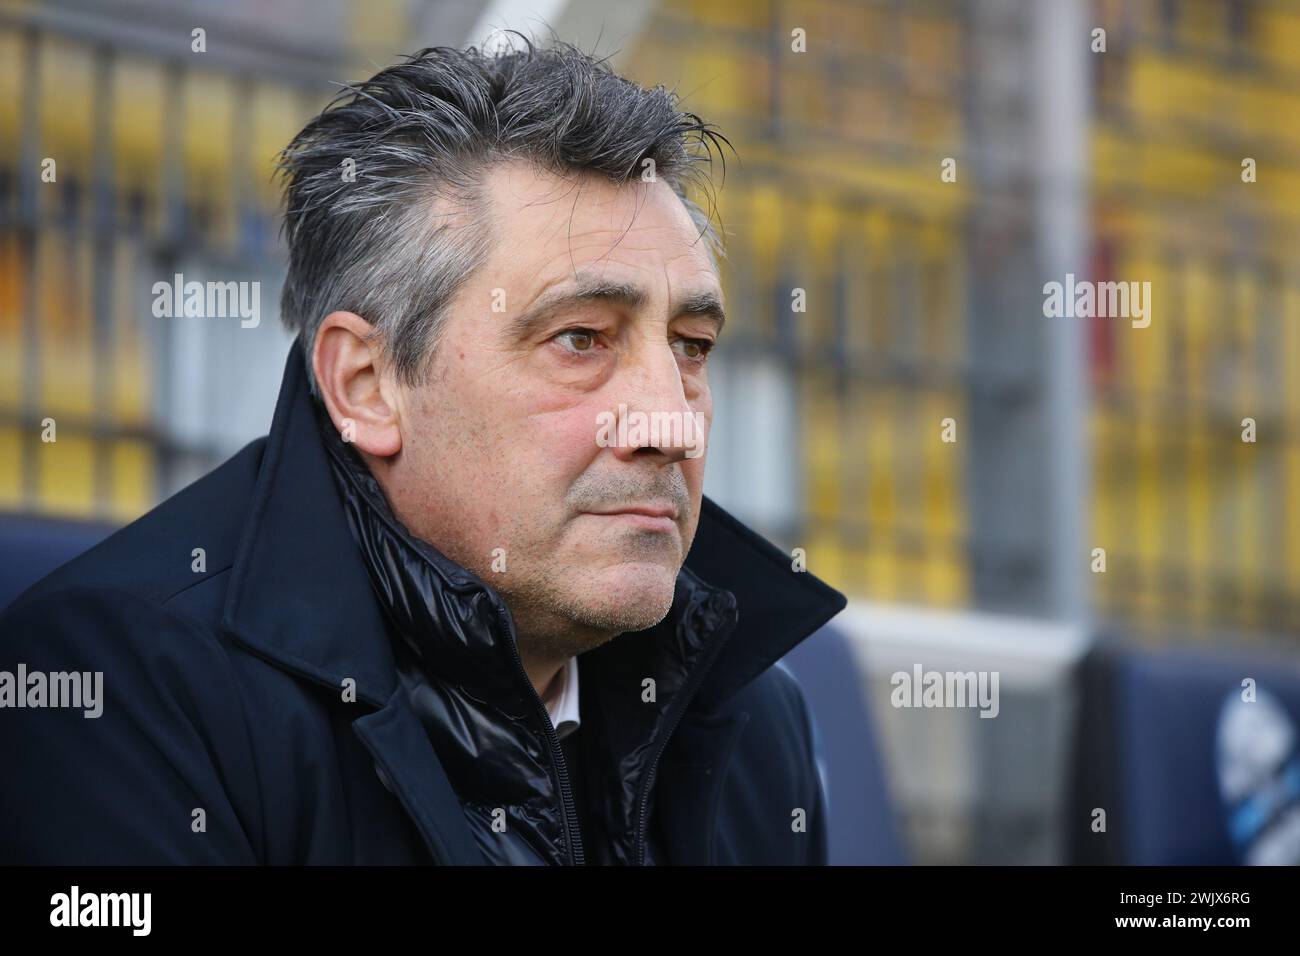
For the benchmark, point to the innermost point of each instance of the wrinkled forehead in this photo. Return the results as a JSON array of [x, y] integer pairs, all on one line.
[[541, 218]]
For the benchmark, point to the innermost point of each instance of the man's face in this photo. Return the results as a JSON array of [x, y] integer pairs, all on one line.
[[590, 324]]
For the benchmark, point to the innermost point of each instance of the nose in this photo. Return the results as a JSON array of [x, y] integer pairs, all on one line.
[[654, 418]]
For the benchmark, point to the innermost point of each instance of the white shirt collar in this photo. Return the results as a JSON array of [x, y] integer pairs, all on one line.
[[562, 704]]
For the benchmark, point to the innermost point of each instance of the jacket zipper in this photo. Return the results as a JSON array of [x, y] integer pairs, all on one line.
[[678, 710], [572, 832]]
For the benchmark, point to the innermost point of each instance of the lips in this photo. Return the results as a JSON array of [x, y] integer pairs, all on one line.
[[655, 517], [653, 510]]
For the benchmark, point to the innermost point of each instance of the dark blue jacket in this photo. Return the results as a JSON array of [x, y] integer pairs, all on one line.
[[257, 709]]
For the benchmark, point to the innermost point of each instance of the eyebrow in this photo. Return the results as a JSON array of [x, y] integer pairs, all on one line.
[[586, 289]]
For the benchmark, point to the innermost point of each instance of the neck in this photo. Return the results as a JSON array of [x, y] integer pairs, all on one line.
[[543, 674], [547, 642]]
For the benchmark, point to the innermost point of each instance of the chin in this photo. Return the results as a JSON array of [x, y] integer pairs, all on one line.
[[628, 597]]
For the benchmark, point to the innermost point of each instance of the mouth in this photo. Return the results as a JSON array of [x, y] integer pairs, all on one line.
[[651, 516]]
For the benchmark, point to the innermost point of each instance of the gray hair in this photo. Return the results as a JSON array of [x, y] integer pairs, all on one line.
[[429, 127]]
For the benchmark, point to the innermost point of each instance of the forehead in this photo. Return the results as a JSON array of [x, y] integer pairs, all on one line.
[[548, 226]]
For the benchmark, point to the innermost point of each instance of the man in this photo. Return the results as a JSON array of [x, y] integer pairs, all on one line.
[[478, 514]]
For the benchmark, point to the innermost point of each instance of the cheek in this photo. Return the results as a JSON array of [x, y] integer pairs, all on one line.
[[702, 405], [563, 440], [542, 459], [693, 472], [703, 410]]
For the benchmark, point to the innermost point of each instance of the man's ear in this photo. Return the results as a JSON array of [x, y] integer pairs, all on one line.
[[356, 395]]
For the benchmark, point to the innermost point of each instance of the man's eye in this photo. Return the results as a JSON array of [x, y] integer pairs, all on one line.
[[695, 349], [578, 340]]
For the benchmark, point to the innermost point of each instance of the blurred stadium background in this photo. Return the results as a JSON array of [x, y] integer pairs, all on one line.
[[924, 303]]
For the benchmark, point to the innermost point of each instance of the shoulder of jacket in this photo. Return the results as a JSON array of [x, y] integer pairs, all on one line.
[[776, 701], [95, 623], [187, 539], [775, 686]]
